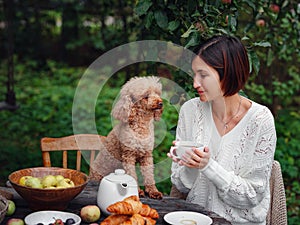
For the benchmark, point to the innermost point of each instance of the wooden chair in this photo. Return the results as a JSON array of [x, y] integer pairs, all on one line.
[[77, 142], [278, 212]]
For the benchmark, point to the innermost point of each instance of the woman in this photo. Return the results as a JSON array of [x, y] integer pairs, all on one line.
[[231, 175]]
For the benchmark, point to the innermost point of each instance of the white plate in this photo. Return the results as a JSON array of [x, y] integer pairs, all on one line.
[[187, 218], [47, 216]]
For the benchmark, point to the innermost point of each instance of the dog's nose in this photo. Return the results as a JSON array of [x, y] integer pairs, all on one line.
[[160, 104]]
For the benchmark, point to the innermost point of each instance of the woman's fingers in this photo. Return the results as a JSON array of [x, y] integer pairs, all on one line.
[[196, 158]]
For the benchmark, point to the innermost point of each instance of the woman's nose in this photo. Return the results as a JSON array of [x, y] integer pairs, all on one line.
[[196, 84]]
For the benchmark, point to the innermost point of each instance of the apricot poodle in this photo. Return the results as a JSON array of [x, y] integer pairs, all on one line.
[[131, 141]]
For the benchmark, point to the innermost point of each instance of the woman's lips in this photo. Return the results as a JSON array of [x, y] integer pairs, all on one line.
[[200, 92]]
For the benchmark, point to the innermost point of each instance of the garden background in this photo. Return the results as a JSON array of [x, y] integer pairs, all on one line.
[[46, 46]]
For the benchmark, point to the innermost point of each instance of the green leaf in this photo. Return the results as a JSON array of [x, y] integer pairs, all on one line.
[[149, 19], [142, 7], [270, 57], [194, 40], [173, 25], [254, 61], [188, 32], [161, 19], [251, 4], [233, 23], [262, 44]]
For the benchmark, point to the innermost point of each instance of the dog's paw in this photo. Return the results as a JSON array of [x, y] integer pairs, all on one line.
[[141, 193], [155, 194]]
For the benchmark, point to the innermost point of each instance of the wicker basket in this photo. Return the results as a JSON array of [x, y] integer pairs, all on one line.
[[3, 207]]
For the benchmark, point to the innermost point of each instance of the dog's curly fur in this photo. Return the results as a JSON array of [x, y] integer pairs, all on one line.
[[131, 141]]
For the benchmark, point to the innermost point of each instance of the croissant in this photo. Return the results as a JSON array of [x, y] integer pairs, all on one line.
[[114, 219], [132, 205], [127, 207], [147, 211], [136, 219], [132, 197], [149, 221]]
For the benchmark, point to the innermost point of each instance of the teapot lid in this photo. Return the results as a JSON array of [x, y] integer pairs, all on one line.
[[119, 176]]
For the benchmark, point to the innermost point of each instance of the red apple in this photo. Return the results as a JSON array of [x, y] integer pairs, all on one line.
[[226, 1], [58, 222], [274, 8], [90, 213], [260, 22], [15, 221]]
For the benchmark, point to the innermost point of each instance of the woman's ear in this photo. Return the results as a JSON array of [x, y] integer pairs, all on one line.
[[122, 108]]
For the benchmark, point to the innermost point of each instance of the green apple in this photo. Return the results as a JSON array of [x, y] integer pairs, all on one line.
[[65, 183], [90, 213], [49, 181], [59, 177], [34, 182], [11, 208], [23, 180], [15, 221]]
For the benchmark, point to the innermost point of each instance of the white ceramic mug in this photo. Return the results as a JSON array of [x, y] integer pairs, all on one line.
[[182, 146]]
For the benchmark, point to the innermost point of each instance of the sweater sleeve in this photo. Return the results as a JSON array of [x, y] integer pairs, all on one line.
[[248, 188], [183, 177]]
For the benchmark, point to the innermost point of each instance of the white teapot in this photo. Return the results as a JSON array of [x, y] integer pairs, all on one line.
[[115, 187]]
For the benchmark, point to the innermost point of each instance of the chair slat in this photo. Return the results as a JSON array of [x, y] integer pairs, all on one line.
[[65, 159], [78, 142], [78, 160]]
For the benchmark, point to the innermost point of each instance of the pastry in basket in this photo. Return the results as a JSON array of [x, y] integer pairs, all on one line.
[[131, 205]]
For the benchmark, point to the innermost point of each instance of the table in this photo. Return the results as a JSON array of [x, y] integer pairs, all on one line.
[[89, 197]]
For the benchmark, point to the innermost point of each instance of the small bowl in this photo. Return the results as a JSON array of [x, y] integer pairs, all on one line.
[[3, 207], [46, 217], [48, 199]]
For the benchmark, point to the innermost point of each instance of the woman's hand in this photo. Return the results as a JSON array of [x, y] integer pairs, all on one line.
[[194, 159], [174, 158]]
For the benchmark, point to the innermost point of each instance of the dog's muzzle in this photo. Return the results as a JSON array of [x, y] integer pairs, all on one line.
[[160, 105]]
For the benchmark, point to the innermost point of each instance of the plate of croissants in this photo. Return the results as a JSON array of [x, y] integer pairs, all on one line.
[[130, 211]]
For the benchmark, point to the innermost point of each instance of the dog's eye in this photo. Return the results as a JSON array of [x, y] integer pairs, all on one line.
[[146, 97]]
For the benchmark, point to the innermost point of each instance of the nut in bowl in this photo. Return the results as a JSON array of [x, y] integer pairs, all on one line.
[[39, 198], [50, 217]]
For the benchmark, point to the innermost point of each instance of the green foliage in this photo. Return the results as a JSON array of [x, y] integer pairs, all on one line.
[[287, 153], [78, 33]]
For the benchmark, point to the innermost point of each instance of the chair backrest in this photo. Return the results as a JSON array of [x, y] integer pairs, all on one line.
[[77, 142], [277, 213]]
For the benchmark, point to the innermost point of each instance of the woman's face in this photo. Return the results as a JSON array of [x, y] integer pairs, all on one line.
[[206, 80]]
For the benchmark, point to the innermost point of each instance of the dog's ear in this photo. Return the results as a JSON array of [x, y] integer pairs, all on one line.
[[122, 108]]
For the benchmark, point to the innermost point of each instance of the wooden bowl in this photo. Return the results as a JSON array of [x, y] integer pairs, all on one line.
[[48, 199]]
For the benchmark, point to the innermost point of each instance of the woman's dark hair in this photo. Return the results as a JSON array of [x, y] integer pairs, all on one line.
[[228, 56]]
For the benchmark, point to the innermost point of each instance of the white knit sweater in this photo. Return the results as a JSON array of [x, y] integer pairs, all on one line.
[[235, 183]]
